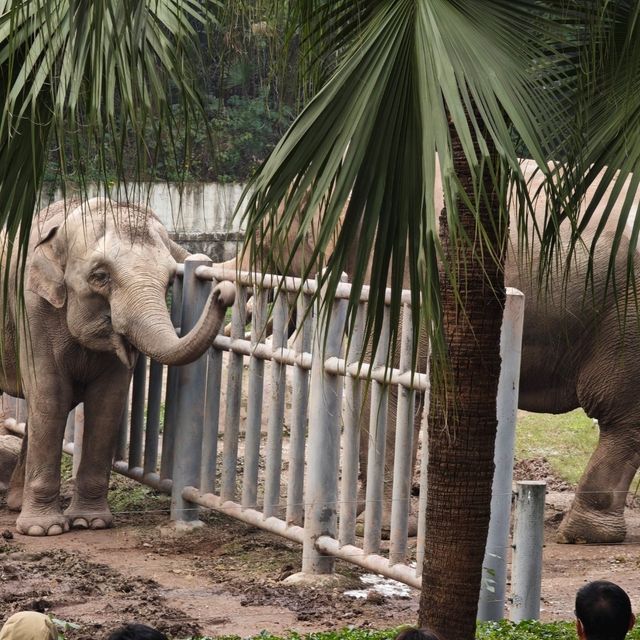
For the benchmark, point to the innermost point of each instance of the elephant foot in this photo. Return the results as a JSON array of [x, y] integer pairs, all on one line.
[[53, 524], [89, 518], [590, 526]]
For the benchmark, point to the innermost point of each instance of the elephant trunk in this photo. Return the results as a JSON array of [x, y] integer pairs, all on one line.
[[146, 324]]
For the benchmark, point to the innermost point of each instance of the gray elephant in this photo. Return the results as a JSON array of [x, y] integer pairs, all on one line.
[[581, 348], [96, 278]]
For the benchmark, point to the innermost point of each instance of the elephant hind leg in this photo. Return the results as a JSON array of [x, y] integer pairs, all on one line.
[[16, 483], [597, 512]]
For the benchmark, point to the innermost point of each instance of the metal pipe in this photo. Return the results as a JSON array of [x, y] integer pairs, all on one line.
[[494, 566], [299, 408], [171, 396], [234, 396], [528, 540], [211, 428], [123, 429], [152, 431], [380, 373], [273, 451], [136, 433], [288, 283], [351, 415], [371, 561], [403, 453], [192, 388], [376, 450], [250, 516], [69, 427], [324, 440], [263, 351], [254, 404]]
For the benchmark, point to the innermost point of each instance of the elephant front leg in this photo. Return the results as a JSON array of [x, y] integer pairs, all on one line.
[[597, 512], [41, 514], [103, 408]]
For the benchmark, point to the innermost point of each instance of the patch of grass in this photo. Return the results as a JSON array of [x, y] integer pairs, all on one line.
[[566, 441], [127, 495]]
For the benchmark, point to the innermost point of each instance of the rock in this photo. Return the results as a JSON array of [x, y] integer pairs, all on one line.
[[9, 453]]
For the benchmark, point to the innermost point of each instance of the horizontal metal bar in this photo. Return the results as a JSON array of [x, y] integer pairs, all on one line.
[[288, 283], [263, 351], [120, 466], [382, 374], [250, 516], [372, 562]]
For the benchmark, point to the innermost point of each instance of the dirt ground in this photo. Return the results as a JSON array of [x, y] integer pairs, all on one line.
[[227, 578]]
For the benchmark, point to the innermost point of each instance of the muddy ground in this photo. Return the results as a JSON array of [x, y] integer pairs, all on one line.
[[227, 578]]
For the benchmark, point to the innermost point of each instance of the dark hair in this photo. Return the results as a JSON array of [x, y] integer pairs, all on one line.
[[604, 610], [135, 631], [415, 633]]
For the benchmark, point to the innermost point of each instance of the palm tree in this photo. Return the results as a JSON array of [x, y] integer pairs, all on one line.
[[98, 75], [452, 80]]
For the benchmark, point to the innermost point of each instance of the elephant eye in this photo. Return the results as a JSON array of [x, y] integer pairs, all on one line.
[[99, 278]]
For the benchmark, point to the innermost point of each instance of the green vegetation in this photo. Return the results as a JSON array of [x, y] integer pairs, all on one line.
[[503, 630], [565, 440]]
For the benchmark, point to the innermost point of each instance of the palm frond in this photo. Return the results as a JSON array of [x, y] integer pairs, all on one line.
[[363, 155]]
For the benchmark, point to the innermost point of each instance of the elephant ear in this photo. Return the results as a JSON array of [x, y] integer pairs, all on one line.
[[46, 274]]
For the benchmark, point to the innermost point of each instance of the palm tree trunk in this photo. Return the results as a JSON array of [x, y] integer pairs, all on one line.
[[462, 419]]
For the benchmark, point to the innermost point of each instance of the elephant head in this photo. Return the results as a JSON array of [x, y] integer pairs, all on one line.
[[108, 266]]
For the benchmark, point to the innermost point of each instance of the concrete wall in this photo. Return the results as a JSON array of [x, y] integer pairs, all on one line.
[[198, 215]]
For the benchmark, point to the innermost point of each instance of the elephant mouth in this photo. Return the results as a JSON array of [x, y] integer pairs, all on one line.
[[125, 351]]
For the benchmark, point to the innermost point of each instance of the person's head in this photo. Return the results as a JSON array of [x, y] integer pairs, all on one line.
[[416, 633], [28, 625], [135, 631], [603, 611]]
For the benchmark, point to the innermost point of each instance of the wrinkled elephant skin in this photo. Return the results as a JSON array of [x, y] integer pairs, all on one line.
[[96, 279]]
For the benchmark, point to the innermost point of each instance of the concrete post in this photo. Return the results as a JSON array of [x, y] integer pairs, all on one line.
[[152, 430], [324, 439], [494, 567], [528, 540], [192, 390]]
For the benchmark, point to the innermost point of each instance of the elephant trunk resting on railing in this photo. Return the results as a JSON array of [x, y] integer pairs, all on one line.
[[581, 348], [96, 279]]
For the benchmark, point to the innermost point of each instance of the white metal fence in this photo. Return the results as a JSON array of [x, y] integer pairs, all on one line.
[[210, 450]]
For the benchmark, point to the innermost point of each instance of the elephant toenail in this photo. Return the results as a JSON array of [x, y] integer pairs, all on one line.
[[80, 523], [54, 530], [98, 523], [35, 530]]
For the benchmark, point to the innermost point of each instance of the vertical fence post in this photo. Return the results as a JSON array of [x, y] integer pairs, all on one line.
[[171, 396], [152, 430], [324, 439], [299, 406], [351, 415], [234, 398], [273, 451], [123, 430], [137, 412], [403, 451], [191, 393], [377, 445], [494, 567], [211, 421], [255, 392], [528, 540]]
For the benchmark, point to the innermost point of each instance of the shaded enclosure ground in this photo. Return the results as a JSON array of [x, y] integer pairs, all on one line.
[[227, 578]]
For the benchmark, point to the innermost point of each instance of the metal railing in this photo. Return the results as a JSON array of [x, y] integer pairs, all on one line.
[[206, 453]]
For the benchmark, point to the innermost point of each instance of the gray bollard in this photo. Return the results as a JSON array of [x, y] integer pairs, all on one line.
[[191, 394], [528, 540], [494, 566]]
